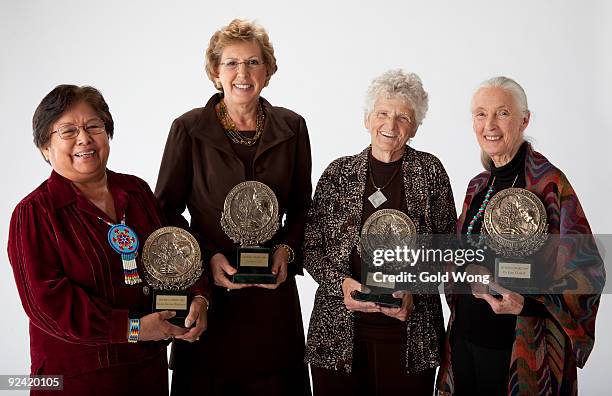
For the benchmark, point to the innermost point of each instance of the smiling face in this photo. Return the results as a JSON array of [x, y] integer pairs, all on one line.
[[391, 124], [242, 85], [498, 123], [82, 159]]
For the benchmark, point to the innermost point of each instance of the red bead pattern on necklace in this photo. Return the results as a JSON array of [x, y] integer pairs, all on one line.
[[123, 239]]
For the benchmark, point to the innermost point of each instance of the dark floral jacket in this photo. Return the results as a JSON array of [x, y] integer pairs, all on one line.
[[332, 231]]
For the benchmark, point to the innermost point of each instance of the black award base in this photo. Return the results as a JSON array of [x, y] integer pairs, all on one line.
[[177, 301], [254, 265], [385, 300]]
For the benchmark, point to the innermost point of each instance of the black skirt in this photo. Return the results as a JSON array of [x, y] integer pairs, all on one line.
[[254, 345]]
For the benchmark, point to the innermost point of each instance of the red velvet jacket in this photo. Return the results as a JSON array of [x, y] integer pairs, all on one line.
[[70, 280]]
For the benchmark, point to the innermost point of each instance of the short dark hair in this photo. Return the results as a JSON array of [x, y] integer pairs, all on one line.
[[60, 99]]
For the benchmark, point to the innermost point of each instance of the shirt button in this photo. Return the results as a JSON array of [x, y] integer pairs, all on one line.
[[145, 290]]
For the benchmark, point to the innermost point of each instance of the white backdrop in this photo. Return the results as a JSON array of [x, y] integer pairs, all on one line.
[[147, 59]]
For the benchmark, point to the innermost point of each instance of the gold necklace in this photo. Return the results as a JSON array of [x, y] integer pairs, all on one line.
[[230, 127]]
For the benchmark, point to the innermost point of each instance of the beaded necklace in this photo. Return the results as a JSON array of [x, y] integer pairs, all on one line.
[[480, 213], [124, 241], [232, 131]]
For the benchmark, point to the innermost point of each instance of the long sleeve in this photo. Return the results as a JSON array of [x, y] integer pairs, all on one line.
[[443, 204], [579, 266], [172, 191], [444, 217], [316, 261], [53, 302], [299, 196], [175, 176]]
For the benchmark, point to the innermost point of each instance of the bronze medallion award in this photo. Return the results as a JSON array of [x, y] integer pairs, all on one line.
[[384, 229], [515, 227], [172, 262], [250, 218]]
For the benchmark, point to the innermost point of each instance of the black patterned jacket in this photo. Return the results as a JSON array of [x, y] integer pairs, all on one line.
[[332, 230]]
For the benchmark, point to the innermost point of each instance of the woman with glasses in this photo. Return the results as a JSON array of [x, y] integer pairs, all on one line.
[[86, 300], [255, 343]]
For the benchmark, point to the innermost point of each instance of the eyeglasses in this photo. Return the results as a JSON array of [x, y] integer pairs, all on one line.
[[233, 64], [70, 131]]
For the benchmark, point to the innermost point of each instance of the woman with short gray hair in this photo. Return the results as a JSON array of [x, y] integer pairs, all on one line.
[[396, 83], [357, 347]]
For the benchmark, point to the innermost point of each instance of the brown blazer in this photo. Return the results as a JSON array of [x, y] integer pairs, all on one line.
[[198, 169]]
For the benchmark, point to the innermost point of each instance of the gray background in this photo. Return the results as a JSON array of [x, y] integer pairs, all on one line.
[[147, 59]]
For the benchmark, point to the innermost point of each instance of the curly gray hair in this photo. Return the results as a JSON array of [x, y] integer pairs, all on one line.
[[397, 83]]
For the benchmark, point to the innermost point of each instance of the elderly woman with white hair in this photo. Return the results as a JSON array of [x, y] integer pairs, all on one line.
[[357, 347], [511, 343]]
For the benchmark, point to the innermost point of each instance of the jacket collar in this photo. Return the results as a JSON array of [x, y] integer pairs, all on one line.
[[276, 129], [355, 193], [61, 190], [64, 193]]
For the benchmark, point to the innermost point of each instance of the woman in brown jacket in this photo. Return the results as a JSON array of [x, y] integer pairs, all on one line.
[[255, 341]]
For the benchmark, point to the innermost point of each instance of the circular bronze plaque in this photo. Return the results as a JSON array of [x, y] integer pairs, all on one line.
[[172, 259], [386, 229], [250, 213], [515, 222]]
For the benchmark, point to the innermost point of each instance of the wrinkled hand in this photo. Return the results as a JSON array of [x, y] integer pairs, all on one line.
[[198, 315], [219, 266], [479, 287], [280, 261], [510, 303], [155, 327], [402, 312], [349, 285]]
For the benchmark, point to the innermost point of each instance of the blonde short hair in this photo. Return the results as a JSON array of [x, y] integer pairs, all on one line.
[[239, 30]]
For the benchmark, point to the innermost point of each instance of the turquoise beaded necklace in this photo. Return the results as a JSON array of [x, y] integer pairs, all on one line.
[[480, 213]]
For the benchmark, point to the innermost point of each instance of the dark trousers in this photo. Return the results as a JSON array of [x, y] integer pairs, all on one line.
[[378, 369], [202, 382], [479, 370]]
